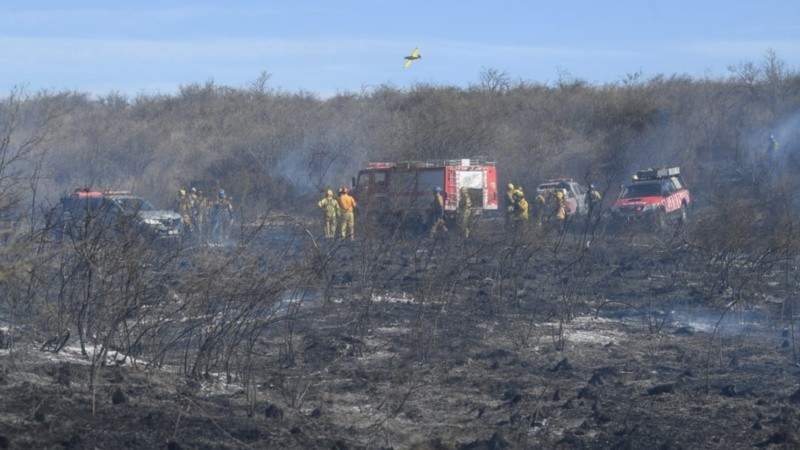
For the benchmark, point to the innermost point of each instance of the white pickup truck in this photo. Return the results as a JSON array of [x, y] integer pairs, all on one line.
[[574, 194]]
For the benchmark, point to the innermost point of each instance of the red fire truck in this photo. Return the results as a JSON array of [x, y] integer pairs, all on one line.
[[404, 190]]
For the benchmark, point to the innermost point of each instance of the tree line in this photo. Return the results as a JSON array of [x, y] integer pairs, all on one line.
[[272, 148]]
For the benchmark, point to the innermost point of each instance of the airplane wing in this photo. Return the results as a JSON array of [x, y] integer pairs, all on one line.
[[414, 55]]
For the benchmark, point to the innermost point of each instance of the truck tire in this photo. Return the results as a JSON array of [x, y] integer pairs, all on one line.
[[661, 221]]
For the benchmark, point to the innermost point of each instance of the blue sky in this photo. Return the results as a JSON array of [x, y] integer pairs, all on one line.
[[335, 46]]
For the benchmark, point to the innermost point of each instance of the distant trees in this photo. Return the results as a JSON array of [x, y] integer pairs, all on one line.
[[271, 147]]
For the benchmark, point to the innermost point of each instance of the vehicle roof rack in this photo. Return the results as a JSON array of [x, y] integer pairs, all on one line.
[[655, 174], [86, 192], [380, 165], [472, 161]]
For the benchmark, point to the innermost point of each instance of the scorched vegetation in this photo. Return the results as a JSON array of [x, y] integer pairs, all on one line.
[[552, 336]]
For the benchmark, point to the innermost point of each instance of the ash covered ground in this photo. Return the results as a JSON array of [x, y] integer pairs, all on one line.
[[549, 339]]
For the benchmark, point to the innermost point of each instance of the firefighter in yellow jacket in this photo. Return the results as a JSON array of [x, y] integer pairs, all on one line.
[[330, 207], [560, 207], [540, 206], [437, 212], [510, 189], [184, 207], [464, 211], [521, 214], [198, 213], [348, 206]]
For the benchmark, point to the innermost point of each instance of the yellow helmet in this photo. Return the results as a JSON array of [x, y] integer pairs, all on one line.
[[329, 193], [182, 192], [634, 177], [560, 195], [510, 186]]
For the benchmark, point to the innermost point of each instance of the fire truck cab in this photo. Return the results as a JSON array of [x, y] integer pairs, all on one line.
[[404, 190]]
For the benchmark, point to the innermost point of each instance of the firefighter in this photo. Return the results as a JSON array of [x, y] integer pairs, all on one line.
[[437, 212], [221, 216], [464, 211], [521, 214], [510, 205], [198, 213], [330, 206], [560, 211], [184, 206], [540, 205], [593, 199], [347, 205], [773, 144]]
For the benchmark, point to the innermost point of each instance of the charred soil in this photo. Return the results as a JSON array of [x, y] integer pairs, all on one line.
[[530, 340]]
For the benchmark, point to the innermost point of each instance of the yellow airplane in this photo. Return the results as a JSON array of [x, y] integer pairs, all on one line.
[[410, 58]]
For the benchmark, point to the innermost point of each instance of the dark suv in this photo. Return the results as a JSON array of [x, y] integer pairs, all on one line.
[[86, 213]]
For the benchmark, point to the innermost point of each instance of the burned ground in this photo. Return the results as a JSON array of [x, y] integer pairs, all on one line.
[[541, 340]]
